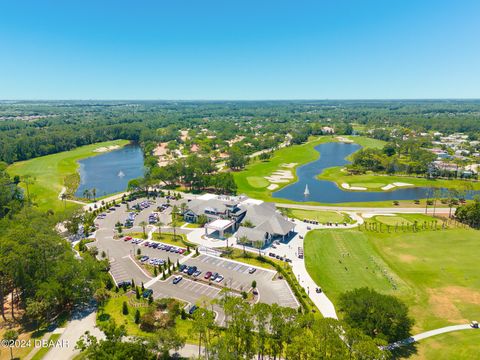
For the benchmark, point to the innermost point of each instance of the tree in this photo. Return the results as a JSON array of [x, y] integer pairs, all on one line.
[[11, 336], [124, 308], [168, 339], [203, 326], [113, 347], [159, 225], [174, 228], [202, 219], [469, 214], [236, 158], [144, 224], [377, 315], [137, 316], [243, 241]]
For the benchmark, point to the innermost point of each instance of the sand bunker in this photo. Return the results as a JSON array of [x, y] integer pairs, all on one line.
[[106, 148], [344, 140], [280, 176], [394, 185], [272, 186], [288, 165], [355, 188]]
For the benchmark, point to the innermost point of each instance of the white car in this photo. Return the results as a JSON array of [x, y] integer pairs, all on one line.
[[251, 270], [219, 278]]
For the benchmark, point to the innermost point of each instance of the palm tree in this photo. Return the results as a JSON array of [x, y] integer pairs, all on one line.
[[86, 194], [183, 207], [159, 225], [174, 212], [28, 180], [94, 194], [174, 227], [243, 240], [10, 336], [63, 197], [144, 224]]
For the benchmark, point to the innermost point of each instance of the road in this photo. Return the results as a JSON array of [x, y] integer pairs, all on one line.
[[81, 322], [371, 210], [431, 333]]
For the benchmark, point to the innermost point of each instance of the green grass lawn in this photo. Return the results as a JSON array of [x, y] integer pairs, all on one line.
[[461, 345], [113, 310], [320, 216], [436, 272], [406, 219], [43, 350], [50, 171]]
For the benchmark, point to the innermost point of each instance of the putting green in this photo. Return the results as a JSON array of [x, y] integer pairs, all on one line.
[[257, 181]]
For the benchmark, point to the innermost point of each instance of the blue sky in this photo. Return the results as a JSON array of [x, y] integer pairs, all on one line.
[[229, 49]]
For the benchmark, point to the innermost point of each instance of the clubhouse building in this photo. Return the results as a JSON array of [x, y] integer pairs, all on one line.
[[254, 222]]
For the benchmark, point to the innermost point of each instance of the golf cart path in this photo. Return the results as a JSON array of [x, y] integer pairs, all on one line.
[[372, 210], [431, 333]]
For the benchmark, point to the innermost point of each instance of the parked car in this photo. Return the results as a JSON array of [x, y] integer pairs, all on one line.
[[214, 276], [219, 279], [208, 275], [474, 324], [147, 293], [177, 279], [192, 309], [191, 270], [182, 267], [197, 273], [251, 270]]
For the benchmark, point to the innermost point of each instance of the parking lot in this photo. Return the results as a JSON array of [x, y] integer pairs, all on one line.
[[235, 275], [192, 290]]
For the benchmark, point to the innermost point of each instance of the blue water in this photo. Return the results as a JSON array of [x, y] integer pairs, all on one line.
[[110, 172], [334, 154]]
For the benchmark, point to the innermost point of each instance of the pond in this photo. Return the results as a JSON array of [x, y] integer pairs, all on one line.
[[110, 172], [334, 154]]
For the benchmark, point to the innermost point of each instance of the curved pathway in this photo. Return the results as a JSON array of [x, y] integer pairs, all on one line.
[[371, 210], [430, 333]]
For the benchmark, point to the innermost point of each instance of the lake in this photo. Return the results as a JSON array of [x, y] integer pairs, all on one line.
[[110, 172], [334, 154]]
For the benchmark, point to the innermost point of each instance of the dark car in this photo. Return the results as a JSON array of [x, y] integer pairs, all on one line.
[[191, 270], [214, 276], [208, 275], [192, 309], [182, 267], [147, 293]]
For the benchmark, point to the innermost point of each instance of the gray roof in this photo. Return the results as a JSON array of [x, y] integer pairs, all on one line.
[[276, 225], [199, 206], [257, 214], [251, 234]]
